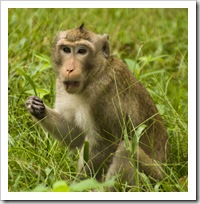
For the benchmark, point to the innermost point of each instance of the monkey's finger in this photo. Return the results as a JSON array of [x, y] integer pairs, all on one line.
[[35, 98], [37, 113], [36, 107], [30, 103], [39, 103]]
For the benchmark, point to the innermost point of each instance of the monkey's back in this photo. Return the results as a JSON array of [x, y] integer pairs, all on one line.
[[133, 107]]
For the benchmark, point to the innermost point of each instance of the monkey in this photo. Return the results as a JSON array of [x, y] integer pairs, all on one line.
[[99, 109]]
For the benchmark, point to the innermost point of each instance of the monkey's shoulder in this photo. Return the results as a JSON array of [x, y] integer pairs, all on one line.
[[120, 68], [116, 62], [123, 77]]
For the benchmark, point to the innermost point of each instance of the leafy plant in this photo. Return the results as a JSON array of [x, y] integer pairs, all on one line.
[[85, 185]]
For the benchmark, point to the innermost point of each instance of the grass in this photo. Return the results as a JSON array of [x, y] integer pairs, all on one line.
[[153, 42]]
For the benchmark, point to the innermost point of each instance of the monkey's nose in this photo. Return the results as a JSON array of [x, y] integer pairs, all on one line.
[[70, 69], [69, 72]]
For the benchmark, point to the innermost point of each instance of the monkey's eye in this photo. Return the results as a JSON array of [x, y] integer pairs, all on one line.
[[82, 51], [66, 49]]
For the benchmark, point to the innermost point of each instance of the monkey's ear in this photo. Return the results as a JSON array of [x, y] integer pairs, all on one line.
[[105, 45]]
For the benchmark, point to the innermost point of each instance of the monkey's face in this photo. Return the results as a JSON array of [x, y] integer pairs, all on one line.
[[74, 64], [79, 55]]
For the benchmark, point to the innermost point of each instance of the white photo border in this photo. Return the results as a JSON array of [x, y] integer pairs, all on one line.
[[191, 194]]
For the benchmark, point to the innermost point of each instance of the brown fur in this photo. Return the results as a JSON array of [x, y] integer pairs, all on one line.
[[107, 101]]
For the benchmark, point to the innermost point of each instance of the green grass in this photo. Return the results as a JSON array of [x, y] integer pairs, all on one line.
[[153, 42]]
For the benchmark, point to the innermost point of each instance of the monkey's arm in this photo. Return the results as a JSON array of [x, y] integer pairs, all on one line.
[[54, 123]]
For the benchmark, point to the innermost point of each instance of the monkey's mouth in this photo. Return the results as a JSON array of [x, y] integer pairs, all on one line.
[[71, 83]]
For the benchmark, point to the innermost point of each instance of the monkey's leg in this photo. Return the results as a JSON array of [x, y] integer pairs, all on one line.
[[95, 160], [121, 167], [147, 165], [54, 123], [124, 167]]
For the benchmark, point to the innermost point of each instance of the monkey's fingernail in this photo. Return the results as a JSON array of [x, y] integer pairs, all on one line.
[[28, 106]]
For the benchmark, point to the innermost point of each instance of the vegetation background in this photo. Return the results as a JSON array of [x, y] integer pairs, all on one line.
[[154, 44]]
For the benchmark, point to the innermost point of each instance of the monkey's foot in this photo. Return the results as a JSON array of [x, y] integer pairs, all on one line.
[[36, 107]]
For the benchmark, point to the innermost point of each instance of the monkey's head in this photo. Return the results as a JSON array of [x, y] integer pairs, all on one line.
[[79, 54]]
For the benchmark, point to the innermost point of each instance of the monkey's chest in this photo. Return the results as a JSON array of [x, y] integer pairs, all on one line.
[[76, 111], [83, 118]]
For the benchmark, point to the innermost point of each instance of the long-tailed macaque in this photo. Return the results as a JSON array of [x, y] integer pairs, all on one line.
[[100, 103]]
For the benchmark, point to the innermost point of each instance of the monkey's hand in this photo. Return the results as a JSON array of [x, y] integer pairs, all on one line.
[[36, 107]]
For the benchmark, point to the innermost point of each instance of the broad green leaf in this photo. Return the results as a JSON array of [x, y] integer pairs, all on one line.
[[28, 78], [40, 188], [137, 135], [40, 92], [60, 186], [90, 184], [86, 151], [47, 171], [132, 65], [126, 139], [146, 180], [139, 130], [157, 187]]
